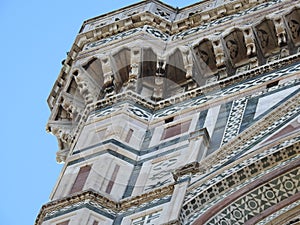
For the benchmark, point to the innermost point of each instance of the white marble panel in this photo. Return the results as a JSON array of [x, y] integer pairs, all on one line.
[[269, 101]]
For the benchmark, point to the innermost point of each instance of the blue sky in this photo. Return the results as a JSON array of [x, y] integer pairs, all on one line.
[[35, 36]]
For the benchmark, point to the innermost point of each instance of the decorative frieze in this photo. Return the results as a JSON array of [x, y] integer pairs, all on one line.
[[235, 119], [219, 187], [90, 93], [255, 202], [224, 19], [109, 208], [200, 101], [285, 210]]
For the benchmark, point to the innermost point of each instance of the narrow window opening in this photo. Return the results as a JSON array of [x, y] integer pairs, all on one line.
[[176, 129], [273, 84], [168, 120], [95, 222], [129, 135], [80, 179], [64, 223], [112, 179]]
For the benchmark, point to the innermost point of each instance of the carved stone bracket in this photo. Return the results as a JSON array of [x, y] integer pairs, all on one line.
[[61, 154], [134, 68], [219, 53], [83, 87], [186, 169], [280, 31], [159, 79], [72, 105], [188, 65], [249, 41], [63, 133], [108, 87]]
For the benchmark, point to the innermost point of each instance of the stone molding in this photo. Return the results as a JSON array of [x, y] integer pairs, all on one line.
[[73, 55], [154, 106], [247, 66], [244, 191], [217, 54], [106, 203], [236, 172], [126, 204]]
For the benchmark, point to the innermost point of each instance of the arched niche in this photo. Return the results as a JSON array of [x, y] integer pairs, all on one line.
[[205, 58], [147, 74], [175, 70], [62, 115], [175, 73], [236, 47], [293, 24], [93, 67], [122, 66], [148, 63], [73, 88], [267, 39], [73, 91]]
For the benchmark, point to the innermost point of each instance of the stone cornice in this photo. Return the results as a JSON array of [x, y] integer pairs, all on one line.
[[109, 204], [55, 93], [132, 96], [113, 89], [185, 18], [125, 204], [93, 35]]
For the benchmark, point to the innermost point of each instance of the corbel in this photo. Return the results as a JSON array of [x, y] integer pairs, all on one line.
[[83, 86], [108, 86]]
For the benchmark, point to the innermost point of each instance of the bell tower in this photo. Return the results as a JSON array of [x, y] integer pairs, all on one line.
[[180, 116]]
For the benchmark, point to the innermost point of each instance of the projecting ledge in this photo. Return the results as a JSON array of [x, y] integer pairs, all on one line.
[[200, 133]]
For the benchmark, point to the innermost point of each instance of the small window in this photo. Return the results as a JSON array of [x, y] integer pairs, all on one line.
[[176, 129], [152, 218], [129, 135], [112, 179], [273, 84], [64, 223], [169, 120], [95, 222], [81, 179]]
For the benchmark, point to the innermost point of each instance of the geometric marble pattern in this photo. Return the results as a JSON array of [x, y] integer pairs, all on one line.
[[278, 153], [129, 108], [235, 174], [202, 99], [268, 102], [279, 212], [236, 111], [86, 204], [224, 19], [97, 206], [198, 200], [161, 173], [165, 37], [235, 119], [258, 200], [147, 219], [205, 203], [263, 133], [150, 30]]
